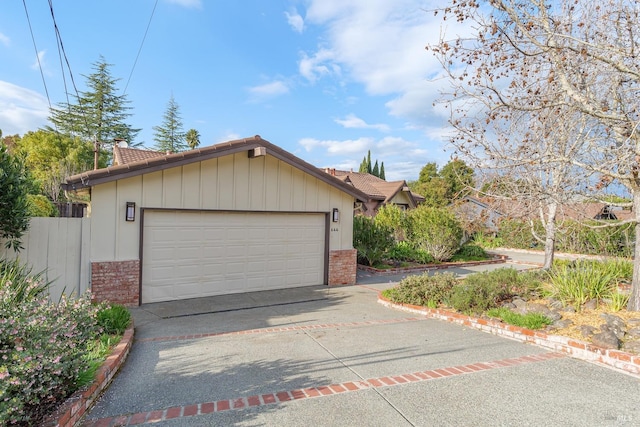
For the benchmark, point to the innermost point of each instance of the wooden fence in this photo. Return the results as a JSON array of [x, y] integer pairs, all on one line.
[[61, 247]]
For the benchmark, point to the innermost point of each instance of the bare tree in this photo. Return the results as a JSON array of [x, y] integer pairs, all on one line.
[[564, 77]]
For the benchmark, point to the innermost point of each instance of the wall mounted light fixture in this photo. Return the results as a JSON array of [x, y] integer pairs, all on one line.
[[336, 215], [130, 213]]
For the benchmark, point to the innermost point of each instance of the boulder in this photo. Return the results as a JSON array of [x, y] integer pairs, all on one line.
[[632, 347], [614, 324], [592, 304], [554, 303], [519, 302], [606, 339], [633, 334], [561, 323], [587, 330]]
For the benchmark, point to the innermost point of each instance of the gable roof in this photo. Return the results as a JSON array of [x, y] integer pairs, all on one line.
[[124, 155], [376, 188], [162, 161]]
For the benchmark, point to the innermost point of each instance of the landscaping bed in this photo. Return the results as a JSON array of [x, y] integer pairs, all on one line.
[[581, 300], [51, 350]]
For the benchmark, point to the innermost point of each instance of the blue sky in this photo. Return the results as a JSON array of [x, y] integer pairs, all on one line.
[[324, 79]]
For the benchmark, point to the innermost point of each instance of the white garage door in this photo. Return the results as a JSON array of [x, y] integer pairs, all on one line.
[[189, 254]]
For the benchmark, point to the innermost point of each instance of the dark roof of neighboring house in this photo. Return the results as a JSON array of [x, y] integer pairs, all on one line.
[[123, 155], [376, 188], [579, 211], [165, 161]]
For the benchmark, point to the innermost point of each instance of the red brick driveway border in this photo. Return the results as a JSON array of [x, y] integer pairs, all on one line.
[[75, 407], [626, 362]]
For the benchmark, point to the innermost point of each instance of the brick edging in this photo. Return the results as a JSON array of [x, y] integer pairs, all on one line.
[[75, 407], [582, 350], [497, 259]]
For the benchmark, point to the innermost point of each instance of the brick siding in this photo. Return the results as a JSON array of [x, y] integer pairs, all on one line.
[[342, 267], [116, 281]]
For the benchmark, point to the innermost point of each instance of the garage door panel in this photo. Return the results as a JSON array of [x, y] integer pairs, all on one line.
[[189, 254]]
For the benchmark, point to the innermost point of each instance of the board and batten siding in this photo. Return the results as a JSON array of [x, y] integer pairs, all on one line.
[[60, 248], [234, 182]]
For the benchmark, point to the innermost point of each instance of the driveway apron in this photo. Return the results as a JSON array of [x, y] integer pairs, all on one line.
[[334, 356]]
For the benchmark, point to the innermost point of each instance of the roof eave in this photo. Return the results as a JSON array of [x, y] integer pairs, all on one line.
[[101, 176]]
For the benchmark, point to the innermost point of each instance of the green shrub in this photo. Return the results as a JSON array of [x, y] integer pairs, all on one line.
[[42, 347], [572, 237], [619, 268], [580, 281], [371, 240], [528, 320], [392, 217], [470, 252], [114, 319], [435, 230], [423, 290], [487, 241], [39, 205], [517, 234], [404, 252], [482, 291]]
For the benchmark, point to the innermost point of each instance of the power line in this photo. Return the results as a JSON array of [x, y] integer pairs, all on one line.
[[140, 49], [33, 39], [66, 59]]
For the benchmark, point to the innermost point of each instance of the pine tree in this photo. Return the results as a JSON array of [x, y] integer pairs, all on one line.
[[381, 175], [98, 113], [369, 161], [376, 170], [169, 136]]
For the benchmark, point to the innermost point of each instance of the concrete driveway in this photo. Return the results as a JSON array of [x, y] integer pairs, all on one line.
[[334, 356]]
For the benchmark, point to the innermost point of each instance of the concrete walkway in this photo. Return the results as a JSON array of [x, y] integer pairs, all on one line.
[[333, 356]]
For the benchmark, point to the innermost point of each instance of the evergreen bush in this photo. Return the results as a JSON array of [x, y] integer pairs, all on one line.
[[435, 230]]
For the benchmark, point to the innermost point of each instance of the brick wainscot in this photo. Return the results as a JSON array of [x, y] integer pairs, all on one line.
[[116, 281], [343, 266]]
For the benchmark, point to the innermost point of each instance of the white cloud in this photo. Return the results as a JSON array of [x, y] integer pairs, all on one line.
[[354, 122], [267, 91], [319, 65], [381, 45], [190, 4], [21, 109], [227, 135], [5, 40], [334, 147], [39, 62], [393, 151], [295, 20]]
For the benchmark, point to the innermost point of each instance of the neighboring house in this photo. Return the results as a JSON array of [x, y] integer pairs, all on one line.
[[487, 212], [379, 191], [476, 214], [239, 216]]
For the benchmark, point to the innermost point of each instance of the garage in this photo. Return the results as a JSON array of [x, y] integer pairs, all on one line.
[[190, 254], [238, 216]]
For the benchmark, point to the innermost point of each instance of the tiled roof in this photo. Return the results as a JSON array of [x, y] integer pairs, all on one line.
[[122, 155], [376, 188]]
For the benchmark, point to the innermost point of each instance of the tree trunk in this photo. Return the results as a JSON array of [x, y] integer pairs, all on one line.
[[634, 298], [550, 236]]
